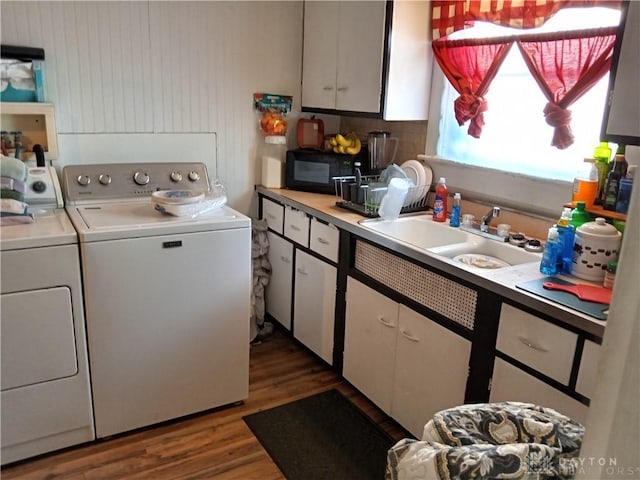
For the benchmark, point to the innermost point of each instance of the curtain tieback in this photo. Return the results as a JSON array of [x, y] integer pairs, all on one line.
[[560, 119], [471, 107]]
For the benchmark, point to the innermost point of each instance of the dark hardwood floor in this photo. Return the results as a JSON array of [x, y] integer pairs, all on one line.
[[216, 444]]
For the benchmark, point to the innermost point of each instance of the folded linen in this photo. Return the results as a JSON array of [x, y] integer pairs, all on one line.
[[9, 205], [8, 183], [8, 218], [12, 194], [13, 168]]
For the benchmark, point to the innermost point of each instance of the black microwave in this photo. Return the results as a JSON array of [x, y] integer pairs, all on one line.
[[314, 171]]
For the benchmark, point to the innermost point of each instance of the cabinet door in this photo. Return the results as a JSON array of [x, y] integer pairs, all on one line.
[[431, 370], [370, 342], [359, 56], [314, 304], [274, 214], [278, 291], [588, 373], [320, 54], [342, 58], [509, 383]]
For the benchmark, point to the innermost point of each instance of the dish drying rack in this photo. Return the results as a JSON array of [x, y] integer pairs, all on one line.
[[370, 194]]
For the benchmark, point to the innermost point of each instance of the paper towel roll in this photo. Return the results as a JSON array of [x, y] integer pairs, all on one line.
[[272, 172]]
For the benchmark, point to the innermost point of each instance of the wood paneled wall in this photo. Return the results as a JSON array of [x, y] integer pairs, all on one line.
[[166, 67]]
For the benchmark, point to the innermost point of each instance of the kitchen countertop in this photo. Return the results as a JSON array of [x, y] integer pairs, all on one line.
[[502, 282]]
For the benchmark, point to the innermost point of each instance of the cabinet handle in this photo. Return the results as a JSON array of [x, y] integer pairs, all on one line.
[[302, 271], [343, 89], [323, 241], [271, 216], [327, 88], [532, 345], [285, 259], [408, 336], [295, 227], [386, 323]]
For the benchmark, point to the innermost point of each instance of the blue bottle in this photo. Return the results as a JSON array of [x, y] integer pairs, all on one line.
[[566, 235], [551, 253], [454, 220]]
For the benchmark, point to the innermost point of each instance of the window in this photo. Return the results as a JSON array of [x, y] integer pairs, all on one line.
[[516, 105]]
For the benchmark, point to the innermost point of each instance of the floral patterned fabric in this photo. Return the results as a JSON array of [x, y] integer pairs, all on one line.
[[511, 440]]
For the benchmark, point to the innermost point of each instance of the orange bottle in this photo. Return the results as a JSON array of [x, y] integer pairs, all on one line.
[[440, 203], [585, 184]]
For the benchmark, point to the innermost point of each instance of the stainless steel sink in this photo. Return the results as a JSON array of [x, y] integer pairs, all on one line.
[[421, 232]]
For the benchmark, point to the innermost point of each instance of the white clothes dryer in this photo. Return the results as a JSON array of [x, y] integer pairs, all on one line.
[[46, 397]]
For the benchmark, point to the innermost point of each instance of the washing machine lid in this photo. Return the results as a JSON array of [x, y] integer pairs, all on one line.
[[51, 227], [114, 221]]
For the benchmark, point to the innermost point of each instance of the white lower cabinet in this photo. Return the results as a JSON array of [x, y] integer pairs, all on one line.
[[431, 370], [314, 304], [278, 291], [410, 366], [588, 373], [512, 384], [370, 343], [543, 346]]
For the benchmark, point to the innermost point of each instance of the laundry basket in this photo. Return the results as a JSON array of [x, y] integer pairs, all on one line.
[[511, 440]]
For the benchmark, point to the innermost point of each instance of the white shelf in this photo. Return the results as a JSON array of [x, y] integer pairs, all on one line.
[[37, 123]]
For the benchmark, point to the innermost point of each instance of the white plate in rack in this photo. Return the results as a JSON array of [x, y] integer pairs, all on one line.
[[417, 174]]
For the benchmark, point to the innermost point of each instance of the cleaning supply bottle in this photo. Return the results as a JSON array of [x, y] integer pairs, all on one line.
[[440, 203], [551, 253], [454, 221], [566, 235], [585, 183], [602, 155], [616, 173], [580, 215]]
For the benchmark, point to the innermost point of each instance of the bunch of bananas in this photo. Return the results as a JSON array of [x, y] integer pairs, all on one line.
[[349, 144]]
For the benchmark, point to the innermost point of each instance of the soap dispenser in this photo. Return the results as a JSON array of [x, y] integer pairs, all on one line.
[[454, 220], [566, 235], [551, 253]]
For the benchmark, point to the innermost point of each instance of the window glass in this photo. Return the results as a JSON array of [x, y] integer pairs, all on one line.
[[515, 136]]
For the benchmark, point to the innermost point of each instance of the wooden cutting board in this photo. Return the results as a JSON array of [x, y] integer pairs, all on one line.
[[597, 310]]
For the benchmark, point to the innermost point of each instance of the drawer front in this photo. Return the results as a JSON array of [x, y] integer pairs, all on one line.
[[296, 226], [537, 343], [324, 240], [274, 214], [588, 372], [510, 384]]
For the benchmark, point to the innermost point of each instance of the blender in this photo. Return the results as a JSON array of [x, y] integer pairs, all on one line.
[[382, 150]]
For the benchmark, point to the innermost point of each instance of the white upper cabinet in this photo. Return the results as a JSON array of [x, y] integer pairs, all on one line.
[[372, 58]]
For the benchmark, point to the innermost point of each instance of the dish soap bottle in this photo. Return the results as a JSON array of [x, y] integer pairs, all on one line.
[[551, 253], [616, 173], [580, 215], [454, 221], [585, 183], [566, 235], [440, 203], [602, 155]]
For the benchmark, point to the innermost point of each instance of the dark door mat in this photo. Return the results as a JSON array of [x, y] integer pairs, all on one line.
[[322, 437], [596, 310]]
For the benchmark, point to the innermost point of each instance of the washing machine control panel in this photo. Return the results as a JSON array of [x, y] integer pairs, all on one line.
[[131, 180], [43, 187]]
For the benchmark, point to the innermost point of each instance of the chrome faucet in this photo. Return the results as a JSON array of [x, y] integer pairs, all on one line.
[[486, 220]]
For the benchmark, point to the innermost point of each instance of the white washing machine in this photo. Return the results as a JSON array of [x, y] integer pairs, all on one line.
[[167, 298], [46, 397]]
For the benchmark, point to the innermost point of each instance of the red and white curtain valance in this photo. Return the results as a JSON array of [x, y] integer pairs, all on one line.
[[448, 16]]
